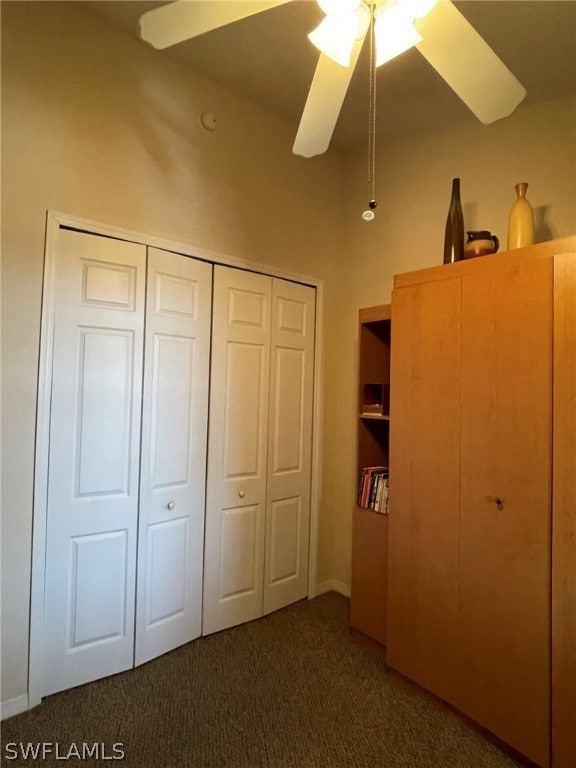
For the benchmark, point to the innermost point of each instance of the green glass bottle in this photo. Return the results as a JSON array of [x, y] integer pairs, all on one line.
[[454, 236]]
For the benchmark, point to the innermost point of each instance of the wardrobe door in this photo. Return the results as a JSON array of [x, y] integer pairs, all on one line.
[[425, 485], [504, 575], [94, 458], [237, 449], [173, 465], [289, 444], [564, 521]]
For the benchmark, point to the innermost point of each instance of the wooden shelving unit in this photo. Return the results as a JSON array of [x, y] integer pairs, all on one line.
[[370, 528]]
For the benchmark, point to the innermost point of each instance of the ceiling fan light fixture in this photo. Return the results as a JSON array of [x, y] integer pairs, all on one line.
[[335, 36], [394, 32], [418, 8]]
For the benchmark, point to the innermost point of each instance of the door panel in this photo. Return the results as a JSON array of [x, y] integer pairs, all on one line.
[[288, 387], [106, 362], [236, 488], [243, 382], [98, 588], [174, 369], [289, 444], [105, 284], [424, 485], [167, 559], [505, 550], [94, 459], [285, 530], [174, 434], [564, 504], [238, 543]]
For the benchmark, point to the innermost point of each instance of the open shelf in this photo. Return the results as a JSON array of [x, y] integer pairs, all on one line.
[[370, 528]]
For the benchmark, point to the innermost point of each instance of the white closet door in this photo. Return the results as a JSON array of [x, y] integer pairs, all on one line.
[[173, 466], [236, 489], [289, 444], [94, 459]]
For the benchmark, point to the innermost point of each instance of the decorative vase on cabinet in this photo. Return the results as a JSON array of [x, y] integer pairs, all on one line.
[[521, 220], [480, 243], [454, 235]]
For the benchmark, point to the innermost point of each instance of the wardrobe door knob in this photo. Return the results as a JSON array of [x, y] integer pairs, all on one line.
[[171, 505], [241, 494], [499, 501]]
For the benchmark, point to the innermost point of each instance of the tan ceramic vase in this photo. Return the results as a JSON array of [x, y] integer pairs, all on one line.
[[521, 220]]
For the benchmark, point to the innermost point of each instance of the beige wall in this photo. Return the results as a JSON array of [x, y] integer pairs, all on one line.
[[100, 126]]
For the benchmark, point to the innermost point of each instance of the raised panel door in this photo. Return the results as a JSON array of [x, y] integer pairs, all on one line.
[[289, 444], [92, 508], [237, 449], [173, 466]]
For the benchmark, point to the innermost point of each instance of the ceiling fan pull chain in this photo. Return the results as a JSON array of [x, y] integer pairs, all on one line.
[[368, 215]]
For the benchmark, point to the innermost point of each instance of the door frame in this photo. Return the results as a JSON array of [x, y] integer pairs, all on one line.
[[55, 220]]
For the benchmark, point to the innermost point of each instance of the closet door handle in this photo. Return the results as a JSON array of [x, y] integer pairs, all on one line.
[[499, 501], [170, 505], [241, 494]]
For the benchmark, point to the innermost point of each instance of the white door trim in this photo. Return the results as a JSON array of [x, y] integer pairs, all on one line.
[[54, 221]]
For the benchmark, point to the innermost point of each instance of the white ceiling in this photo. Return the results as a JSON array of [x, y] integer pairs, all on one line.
[[269, 59]]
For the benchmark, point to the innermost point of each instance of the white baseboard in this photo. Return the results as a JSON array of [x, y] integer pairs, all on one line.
[[331, 585], [15, 706]]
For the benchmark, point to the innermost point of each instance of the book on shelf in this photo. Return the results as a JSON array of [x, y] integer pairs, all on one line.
[[381, 504], [373, 489]]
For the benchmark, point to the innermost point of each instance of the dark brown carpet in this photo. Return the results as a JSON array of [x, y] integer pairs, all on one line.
[[291, 690]]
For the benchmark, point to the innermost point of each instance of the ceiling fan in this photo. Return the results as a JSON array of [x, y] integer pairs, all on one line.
[[436, 27]]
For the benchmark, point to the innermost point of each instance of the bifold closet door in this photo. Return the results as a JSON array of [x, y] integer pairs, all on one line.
[[289, 444], [236, 483], [127, 457], [92, 508], [259, 453], [173, 461]]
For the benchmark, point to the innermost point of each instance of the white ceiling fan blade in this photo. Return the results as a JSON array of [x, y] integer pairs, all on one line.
[[468, 64], [174, 22], [323, 105]]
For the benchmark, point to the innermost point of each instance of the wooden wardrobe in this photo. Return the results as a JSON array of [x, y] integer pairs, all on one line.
[[481, 529]]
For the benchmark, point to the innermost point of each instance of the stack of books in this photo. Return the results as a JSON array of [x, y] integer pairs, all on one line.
[[373, 489]]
